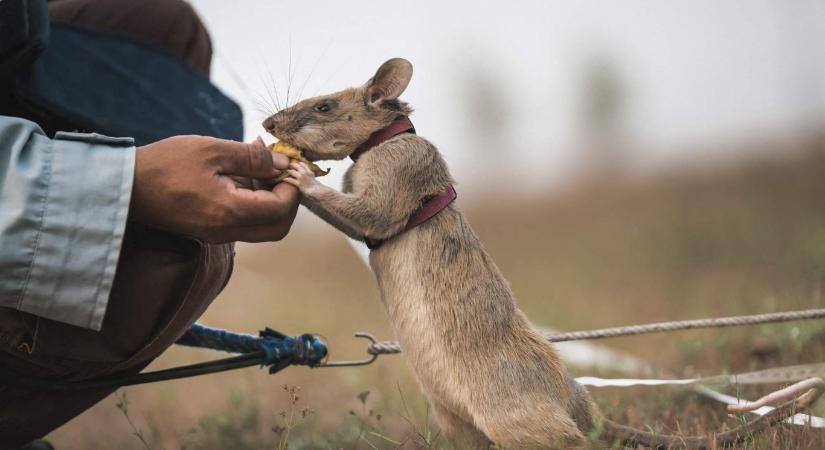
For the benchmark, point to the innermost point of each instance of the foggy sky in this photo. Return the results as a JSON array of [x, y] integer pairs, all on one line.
[[690, 72]]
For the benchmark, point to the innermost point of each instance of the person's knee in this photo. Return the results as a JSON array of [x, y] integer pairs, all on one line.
[[172, 24]]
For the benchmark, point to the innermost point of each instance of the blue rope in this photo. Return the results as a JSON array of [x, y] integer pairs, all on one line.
[[279, 350], [271, 349]]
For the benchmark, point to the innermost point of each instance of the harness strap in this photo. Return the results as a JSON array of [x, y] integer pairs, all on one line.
[[427, 211], [431, 206], [398, 126]]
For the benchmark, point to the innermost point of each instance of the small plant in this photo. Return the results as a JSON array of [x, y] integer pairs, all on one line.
[[422, 436], [123, 405], [369, 424], [237, 428], [292, 418]]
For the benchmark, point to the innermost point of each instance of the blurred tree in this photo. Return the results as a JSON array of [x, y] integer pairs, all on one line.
[[603, 107], [603, 97], [487, 110]]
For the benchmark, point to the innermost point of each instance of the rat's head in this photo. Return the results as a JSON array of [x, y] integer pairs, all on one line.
[[333, 126]]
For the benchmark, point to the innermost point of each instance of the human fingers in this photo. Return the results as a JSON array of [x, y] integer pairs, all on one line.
[[252, 160], [262, 206]]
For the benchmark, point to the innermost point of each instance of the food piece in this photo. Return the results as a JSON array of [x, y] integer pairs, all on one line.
[[294, 154]]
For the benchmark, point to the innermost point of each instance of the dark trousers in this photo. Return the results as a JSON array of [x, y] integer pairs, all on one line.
[[163, 282]]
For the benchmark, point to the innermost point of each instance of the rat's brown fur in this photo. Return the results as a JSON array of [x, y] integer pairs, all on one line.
[[489, 375]]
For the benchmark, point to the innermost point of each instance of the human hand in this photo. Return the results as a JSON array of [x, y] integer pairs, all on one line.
[[188, 185]]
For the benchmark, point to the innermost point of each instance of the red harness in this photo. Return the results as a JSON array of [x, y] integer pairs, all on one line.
[[431, 205]]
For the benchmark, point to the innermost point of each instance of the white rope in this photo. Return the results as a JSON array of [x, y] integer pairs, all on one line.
[[767, 376], [773, 375], [797, 419]]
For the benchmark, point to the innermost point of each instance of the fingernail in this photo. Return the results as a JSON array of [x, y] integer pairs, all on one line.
[[279, 161], [259, 142]]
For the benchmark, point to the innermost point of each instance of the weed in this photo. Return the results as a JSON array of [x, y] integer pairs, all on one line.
[[123, 405]]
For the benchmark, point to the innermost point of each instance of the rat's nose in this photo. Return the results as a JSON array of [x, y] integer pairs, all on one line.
[[270, 123]]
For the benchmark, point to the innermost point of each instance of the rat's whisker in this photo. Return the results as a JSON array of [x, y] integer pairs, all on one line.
[[271, 86], [261, 102], [263, 107], [267, 94], [289, 72], [265, 101], [241, 84], [334, 72], [272, 91], [311, 72]]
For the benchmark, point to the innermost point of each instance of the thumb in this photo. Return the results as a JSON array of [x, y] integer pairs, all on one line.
[[252, 160]]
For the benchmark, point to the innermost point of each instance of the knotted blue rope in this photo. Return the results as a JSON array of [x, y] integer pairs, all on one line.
[[271, 348], [279, 350]]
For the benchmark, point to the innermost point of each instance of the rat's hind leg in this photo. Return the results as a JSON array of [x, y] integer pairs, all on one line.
[[534, 427], [457, 430]]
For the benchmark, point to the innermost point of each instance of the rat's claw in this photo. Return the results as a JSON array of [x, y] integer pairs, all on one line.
[[300, 176], [296, 157], [304, 170]]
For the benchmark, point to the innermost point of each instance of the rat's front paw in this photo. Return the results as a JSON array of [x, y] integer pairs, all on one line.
[[301, 177]]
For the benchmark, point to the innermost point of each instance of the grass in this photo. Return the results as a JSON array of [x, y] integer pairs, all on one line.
[[744, 239]]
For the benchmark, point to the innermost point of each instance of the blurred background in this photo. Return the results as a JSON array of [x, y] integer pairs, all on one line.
[[623, 162]]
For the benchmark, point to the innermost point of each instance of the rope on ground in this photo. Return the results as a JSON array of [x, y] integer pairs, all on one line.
[[393, 347]]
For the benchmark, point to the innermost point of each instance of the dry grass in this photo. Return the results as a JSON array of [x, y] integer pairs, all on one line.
[[740, 240]]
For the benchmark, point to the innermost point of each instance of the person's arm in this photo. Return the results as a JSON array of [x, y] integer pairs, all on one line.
[[64, 205], [63, 210]]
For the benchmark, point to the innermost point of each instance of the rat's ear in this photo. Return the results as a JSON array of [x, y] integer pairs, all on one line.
[[389, 81]]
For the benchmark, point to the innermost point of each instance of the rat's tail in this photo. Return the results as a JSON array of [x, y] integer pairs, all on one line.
[[810, 388]]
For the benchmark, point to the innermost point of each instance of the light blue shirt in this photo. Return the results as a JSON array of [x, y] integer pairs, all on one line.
[[63, 209]]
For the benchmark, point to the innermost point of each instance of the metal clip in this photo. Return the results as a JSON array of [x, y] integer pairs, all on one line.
[[364, 362]]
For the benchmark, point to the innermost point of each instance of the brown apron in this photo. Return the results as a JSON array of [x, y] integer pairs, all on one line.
[[163, 284]]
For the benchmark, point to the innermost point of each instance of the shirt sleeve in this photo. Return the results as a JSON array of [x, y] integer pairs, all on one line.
[[63, 209]]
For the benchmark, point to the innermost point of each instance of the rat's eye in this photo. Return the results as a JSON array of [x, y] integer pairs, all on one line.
[[323, 107]]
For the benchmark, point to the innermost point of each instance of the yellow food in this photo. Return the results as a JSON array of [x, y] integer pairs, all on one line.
[[294, 155]]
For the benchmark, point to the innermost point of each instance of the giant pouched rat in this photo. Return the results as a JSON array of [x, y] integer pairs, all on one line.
[[488, 374]]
